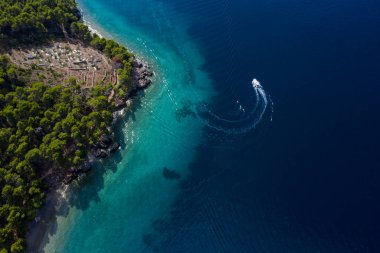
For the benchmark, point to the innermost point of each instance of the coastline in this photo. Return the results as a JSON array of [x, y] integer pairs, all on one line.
[[38, 229], [56, 195], [151, 137]]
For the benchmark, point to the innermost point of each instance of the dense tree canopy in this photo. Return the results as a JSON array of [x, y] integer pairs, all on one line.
[[41, 126], [44, 126], [30, 19], [34, 20]]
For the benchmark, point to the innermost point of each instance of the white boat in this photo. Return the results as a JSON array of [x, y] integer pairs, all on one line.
[[256, 83]]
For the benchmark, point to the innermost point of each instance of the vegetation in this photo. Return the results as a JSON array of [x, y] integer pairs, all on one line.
[[120, 56], [43, 126], [36, 19], [25, 21]]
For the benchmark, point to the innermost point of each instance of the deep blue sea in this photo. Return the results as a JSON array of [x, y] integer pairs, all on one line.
[[209, 163]]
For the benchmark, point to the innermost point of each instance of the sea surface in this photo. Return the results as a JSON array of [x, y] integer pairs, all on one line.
[[210, 163]]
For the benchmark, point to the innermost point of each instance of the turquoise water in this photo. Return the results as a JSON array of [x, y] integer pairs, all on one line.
[[302, 176], [116, 206]]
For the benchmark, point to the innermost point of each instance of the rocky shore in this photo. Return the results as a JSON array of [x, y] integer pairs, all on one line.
[[142, 74], [58, 182], [142, 78]]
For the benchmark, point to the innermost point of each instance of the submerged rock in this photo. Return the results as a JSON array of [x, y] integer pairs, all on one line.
[[184, 112], [170, 174]]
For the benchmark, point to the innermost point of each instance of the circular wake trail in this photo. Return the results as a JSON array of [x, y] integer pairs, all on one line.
[[265, 101], [237, 120], [248, 123]]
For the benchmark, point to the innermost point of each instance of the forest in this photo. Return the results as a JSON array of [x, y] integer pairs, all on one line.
[[44, 126], [36, 19]]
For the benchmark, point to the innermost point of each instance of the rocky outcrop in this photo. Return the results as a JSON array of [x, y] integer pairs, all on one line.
[[114, 147], [142, 74], [86, 167], [75, 172], [143, 83], [119, 102], [106, 145], [100, 153], [105, 141]]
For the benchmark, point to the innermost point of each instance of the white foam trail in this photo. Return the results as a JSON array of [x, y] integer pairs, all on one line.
[[239, 120], [262, 103], [272, 111], [265, 100]]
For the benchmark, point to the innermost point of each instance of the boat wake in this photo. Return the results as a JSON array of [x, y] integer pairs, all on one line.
[[248, 121]]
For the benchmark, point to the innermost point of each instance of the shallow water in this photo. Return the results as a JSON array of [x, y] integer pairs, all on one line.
[[300, 174], [117, 205]]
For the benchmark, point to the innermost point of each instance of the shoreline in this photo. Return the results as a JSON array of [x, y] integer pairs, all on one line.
[[38, 229]]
